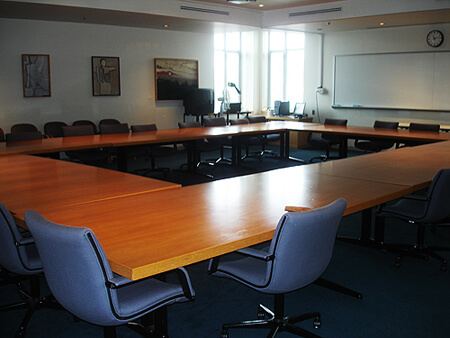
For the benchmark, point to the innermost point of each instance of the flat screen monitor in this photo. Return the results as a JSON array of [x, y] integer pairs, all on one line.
[[299, 109], [199, 101], [284, 108]]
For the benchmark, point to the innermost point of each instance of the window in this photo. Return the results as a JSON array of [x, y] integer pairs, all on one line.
[[227, 65], [286, 67]]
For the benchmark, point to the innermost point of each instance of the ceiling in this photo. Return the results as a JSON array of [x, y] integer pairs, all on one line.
[[269, 5], [37, 11]]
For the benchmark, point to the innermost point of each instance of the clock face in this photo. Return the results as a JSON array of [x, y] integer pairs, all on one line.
[[435, 38]]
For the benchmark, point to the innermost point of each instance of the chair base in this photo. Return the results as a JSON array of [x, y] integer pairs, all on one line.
[[417, 251], [276, 321]]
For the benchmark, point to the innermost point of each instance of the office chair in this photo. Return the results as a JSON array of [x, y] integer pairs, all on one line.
[[20, 261], [433, 208], [377, 144], [54, 128], [196, 147], [87, 156], [116, 128], [223, 142], [23, 128], [250, 140], [269, 137], [108, 121], [326, 141], [86, 123], [2, 135], [299, 253], [23, 136], [151, 151], [80, 277], [424, 127]]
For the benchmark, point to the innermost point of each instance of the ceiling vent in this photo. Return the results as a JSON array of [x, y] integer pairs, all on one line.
[[318, 11], [203, 10]]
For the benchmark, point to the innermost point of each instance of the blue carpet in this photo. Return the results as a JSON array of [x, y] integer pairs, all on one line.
[[410, 301]]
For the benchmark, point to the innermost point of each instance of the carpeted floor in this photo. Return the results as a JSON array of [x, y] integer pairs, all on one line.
[[410, 301]]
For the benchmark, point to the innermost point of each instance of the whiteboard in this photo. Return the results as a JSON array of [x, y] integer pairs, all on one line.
[[413, 81]]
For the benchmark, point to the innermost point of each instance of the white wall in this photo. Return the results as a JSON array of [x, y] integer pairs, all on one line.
[[383, 40], [70, 47]]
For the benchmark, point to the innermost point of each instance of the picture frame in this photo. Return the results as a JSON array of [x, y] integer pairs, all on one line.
[[105, 76], [36, 75], [174, 78]]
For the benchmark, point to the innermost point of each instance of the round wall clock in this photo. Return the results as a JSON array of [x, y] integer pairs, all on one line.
[[435, 38]]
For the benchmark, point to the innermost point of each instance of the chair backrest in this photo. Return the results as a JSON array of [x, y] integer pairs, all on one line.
[[439, 198], [183, 125], [121, 128], [302, 245], [2, 135], [17, 258], [334, 122], [23, 128], [214, 121], [235, 122], [424, 126], [385, 124], [109, 121], [23, 136], [54, 128], [79, 130], [76, 269], [84, 123], [256, 119], [143, 127]]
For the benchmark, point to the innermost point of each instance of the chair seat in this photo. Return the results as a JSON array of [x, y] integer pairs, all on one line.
[[145, 295]]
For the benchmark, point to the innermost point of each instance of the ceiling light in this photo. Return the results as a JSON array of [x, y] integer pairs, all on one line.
[[240, 2], [261, 5]]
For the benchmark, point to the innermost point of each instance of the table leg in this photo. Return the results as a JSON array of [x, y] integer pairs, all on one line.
[[343, 146], [122, 164]]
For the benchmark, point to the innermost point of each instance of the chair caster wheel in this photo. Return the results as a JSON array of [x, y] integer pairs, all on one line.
[[261, 315], [317, 322], [224, 334], [19, 334], [397, 262], [444, 267]]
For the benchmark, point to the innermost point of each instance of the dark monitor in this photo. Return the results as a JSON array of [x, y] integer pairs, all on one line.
[[283, 108], [199, 102], [299, 109], [234, 108]]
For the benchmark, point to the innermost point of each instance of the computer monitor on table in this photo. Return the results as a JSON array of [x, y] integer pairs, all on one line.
[[299, 109], [281, 108]]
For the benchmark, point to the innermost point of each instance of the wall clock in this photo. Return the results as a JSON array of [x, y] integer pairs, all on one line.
[[435, 38]]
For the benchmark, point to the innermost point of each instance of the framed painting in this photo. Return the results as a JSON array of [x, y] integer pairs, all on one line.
[[174, 78], [36, 75], [105, 76]]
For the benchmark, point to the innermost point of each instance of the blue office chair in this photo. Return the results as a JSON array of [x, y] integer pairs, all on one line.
[[299, 253], [19, 261], [433, 208], [250, 140], [80, 277], [268, 137]]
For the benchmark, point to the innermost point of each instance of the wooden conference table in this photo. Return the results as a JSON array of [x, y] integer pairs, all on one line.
[[145, 233]]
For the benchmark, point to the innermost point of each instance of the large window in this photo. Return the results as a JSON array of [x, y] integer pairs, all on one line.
[[227, 65], [286, 67]]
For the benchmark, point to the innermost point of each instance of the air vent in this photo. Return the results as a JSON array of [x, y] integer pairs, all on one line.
[[203, 10], [319, 11]]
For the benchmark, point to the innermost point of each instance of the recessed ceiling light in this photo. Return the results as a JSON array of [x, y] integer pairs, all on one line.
[[381, 23], [240, 2], [166, 26], [261, 5]]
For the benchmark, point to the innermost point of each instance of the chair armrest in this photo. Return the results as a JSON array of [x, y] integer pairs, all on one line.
[[416, 197], [259, 254], [185, 283], [118, 281], [25, 241]]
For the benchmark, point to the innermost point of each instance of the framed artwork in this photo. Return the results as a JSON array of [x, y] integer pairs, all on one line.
[[105, 76], [174, 78], [36, 75]]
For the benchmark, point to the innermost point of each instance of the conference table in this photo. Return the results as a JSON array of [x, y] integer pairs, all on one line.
[[149, 229]]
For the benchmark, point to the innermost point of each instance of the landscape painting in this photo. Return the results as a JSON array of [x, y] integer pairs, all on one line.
[[174, 78]]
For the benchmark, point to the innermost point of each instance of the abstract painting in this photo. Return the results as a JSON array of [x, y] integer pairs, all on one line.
[[36, 75]]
